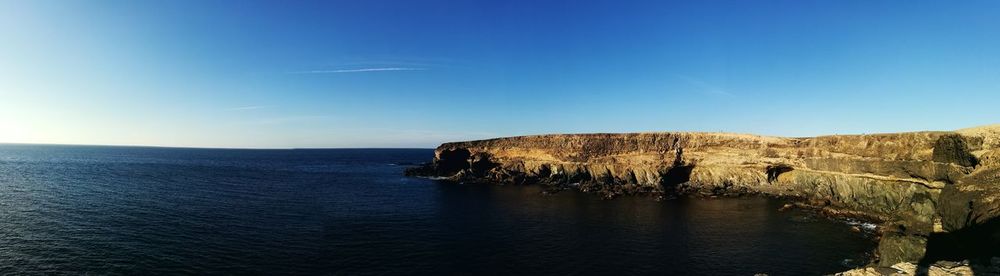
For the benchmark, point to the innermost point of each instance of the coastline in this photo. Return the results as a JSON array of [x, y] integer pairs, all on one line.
[[916, 186]]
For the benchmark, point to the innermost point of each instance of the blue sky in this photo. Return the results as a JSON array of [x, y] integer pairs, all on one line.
[[419, 73]]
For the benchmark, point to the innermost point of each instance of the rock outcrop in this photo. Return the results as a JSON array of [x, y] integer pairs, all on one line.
[[941, 268], [920, 185]]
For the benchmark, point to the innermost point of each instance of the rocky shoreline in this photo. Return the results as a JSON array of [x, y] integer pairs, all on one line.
[[935, 195]]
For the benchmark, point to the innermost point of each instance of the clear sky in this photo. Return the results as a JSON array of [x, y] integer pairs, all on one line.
[[414, 73]]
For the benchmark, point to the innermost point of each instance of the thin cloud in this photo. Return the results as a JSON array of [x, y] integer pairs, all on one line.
[[392, 61], [290, 119], [361, 70], [704, 86], [244, 108]]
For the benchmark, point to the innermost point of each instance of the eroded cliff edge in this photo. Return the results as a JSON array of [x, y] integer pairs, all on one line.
[[930, 190]]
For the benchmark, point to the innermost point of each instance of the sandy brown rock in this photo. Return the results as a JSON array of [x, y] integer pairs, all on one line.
[[944, 268]]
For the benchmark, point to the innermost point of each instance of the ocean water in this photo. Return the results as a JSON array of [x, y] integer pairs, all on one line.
[[133, 210]]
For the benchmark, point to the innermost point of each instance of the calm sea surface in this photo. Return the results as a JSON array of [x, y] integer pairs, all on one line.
[[129, 210]]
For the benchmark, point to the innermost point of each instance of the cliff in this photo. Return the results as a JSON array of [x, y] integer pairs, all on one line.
[[922, 186]]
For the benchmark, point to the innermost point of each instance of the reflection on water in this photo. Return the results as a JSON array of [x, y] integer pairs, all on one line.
[[580, 233], [110, 210]]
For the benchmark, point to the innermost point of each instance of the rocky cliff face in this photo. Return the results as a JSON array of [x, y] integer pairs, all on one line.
[[920, 185]]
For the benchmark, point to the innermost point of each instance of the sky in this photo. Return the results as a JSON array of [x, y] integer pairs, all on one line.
[[407, 73]]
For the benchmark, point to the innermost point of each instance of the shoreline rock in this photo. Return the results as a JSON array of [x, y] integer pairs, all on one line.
[[940, 268]]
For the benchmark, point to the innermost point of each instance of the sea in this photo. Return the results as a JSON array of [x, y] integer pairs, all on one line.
[[101, 210]]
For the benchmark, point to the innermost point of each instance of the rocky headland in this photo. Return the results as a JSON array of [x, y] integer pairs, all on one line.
[[935, 194]]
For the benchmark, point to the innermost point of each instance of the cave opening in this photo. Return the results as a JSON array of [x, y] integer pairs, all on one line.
[[676, 176], [775, 170], [452, 161]]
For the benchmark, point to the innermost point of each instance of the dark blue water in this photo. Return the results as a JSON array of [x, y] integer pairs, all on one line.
[[123, 210]]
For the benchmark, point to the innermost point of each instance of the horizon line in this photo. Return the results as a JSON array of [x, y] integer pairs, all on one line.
[[959, 130], [197, 147]]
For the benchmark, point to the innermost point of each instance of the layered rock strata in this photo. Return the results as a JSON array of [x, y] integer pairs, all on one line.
[[926, 188]]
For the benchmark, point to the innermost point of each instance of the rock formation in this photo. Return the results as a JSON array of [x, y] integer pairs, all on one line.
[[929, 190], [940, 268]]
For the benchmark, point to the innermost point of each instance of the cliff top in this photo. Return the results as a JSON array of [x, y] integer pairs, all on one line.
[[991, 133], [993, 129]]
